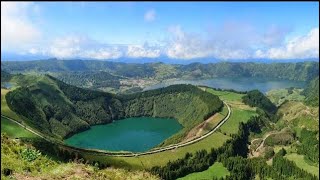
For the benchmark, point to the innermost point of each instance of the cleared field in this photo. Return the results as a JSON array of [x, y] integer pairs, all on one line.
[[237, 116], [226, 95], [217, 170], [13, 130], [301, 163], [147, 161]]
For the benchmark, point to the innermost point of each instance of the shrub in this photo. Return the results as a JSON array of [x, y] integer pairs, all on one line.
[[30, 154]]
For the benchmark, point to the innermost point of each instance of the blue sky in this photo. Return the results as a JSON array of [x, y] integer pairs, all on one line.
[[178, 30]]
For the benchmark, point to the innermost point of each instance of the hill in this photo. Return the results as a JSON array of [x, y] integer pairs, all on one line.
[[20, 160], [255, 98], [312, 92], [301, 71], [61, 110]]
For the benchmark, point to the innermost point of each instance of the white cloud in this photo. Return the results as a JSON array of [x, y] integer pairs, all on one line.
[[306, 46], [150, 15], [222, 45], [275, 35], [236, 41], [137, 51], [83, 47], [17, 30], [103, 53], [186, 46]]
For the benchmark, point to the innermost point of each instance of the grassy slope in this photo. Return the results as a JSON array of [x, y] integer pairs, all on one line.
[[240, 112], [238, 115], [147, 161], [296, 115], [44, 167], [301, 163], [278, 96], [4, 107], [14, 130], [216, 170]]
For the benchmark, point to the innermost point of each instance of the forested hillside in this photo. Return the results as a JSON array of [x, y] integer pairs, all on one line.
[[58, 109], [256, 98], [302, 71], [94, 80], [312, 92]]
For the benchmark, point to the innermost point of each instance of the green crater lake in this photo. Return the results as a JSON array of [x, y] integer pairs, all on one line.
[[131, 134]]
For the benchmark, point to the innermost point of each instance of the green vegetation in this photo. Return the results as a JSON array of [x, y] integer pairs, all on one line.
[[93, 80], [309, 145], [14, 130], [60, 110], [312, 92], [279, 96], [238, 116], [202, 160], [20, 160], [162, 158], [217, 170], [302, 71], [285, 137], [5, 110], [258, 99], [225, 95], [302, 163], [5, 77], [289, 168]]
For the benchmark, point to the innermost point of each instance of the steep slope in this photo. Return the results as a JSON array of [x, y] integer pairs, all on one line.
[[60, 110], [20, 160]]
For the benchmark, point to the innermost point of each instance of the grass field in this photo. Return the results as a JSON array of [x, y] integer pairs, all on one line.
[[301, 163], [216, 170], [237, 116], [5, 110], [225, 95], [13, 130], [147, 161]]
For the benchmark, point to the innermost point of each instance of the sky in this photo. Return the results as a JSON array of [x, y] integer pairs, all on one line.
[[175, 30]]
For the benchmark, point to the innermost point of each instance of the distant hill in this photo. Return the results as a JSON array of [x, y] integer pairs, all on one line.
[[300, 71], [312, 92], [256, 98], [61, 110]]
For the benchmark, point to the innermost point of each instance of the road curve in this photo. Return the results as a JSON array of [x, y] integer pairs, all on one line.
[[131, 154]]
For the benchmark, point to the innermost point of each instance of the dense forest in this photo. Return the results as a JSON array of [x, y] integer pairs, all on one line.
[[94, 80], [58, 109], [312, 92], [256, 98], [302, 71]]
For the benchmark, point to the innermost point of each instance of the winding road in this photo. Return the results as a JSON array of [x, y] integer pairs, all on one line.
[[131, 154]]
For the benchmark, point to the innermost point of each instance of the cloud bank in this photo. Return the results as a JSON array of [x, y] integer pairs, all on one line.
[[17, 29]]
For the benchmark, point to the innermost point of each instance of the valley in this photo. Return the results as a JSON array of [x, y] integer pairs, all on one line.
[[44, 90]]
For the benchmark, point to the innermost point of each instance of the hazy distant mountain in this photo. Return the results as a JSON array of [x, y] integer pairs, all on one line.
[[9, 56]]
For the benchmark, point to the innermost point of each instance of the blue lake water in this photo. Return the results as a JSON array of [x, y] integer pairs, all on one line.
[[239, 84], [131, 134]]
